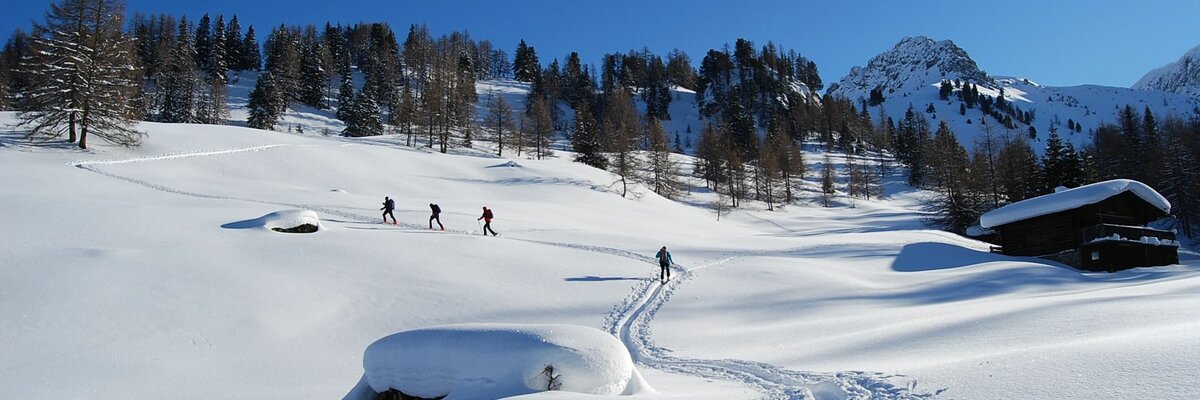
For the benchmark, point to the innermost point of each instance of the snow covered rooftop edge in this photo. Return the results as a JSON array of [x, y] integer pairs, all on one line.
[[1071, 198]]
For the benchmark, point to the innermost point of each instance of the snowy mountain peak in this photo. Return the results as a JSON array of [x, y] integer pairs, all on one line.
[[914, 63], [1182, 76]]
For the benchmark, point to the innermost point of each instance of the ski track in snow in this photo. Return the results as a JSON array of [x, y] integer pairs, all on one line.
[[628, 321]]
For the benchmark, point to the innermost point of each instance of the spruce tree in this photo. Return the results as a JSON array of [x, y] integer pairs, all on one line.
[[233, 45], [585, 138], [203, 43], [313, 76], [526, 67], [218, 57], [364, 120], [264, 102], [178, 80], [827, 182], [81, 75], [345, 97], [251, 55]]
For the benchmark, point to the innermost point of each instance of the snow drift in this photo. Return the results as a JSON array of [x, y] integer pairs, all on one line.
[[280, 221], [488, 361]]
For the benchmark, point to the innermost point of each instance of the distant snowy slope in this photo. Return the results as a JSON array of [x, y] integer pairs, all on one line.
[[1182, 77], [910, 73]]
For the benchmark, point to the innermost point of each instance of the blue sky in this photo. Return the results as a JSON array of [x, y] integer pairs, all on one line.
[[1053, 42]]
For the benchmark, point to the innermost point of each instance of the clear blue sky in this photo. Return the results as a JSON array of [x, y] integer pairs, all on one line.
[[1059, 43]]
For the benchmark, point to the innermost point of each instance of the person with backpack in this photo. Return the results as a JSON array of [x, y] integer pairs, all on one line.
[[435, 216], [388, 206], [664, 263], [487, 221]]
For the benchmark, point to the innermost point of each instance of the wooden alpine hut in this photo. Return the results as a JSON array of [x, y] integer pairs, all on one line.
[[1096, 227]]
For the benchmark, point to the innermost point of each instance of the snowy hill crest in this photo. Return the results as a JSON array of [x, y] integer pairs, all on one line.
[[913, 63], [1182, 76]]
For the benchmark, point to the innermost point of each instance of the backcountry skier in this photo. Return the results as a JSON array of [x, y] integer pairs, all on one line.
[[487, 221], [435, 216], [664, 262], [388, 206]]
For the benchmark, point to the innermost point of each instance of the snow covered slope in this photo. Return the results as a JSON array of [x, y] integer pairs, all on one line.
[[910, 73], [1182, 77], [145, 273]]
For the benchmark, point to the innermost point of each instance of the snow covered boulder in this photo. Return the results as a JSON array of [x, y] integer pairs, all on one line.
[[288, 221], [490, 361]]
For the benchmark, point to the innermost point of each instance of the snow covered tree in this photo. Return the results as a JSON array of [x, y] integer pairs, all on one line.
[[82, 74], [283, 61], [364, 117], [345, 97]]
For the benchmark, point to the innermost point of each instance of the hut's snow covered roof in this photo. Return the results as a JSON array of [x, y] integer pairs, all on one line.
[[1072, 198]]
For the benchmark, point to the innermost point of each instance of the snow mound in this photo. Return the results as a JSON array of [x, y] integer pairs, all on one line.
[[1072, 198], [510, 164], [489, 361], [280, 221]]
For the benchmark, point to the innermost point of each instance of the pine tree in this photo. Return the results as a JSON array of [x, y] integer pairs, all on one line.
[[264, 103], [81, 74]]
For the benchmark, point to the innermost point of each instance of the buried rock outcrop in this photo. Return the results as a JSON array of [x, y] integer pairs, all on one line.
[[286, 221], [489, 361]]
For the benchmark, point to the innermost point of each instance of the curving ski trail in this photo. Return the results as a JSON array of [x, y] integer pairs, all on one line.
[[628, 321]]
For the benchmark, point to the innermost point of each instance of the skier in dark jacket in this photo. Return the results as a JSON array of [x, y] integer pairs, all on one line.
[[435, 216], [664, 262], [388, 206], [487, 221]]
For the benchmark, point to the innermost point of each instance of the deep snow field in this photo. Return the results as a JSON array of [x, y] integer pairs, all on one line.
[[147, 273]]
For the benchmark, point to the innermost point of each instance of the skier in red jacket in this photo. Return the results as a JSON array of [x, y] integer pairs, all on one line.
[[487, 221]]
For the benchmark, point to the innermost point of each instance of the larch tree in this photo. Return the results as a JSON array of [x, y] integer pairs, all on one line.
[[622, 130], [542, 127], [500, 122], [664, 170], [82, 74]]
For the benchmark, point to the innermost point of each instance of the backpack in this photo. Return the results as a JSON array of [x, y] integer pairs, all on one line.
[[488, 214], [436, 209], [391, 204]]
